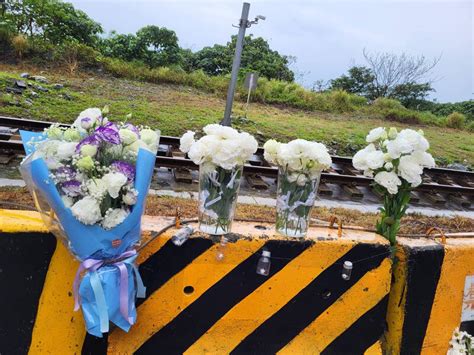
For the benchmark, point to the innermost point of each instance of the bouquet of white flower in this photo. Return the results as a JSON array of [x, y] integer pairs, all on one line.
[[300, 165], [462, 343], [395, 160], [90, 182], [220, 154]]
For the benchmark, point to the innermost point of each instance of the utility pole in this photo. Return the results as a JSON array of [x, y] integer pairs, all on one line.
[[244, 23]]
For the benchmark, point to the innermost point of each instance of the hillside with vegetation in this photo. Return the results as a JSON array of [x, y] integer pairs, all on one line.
[[175, 89]]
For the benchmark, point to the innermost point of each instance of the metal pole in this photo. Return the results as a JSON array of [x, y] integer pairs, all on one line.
[[236, 64]]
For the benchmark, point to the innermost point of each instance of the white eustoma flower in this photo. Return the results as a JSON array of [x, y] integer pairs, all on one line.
[[392, 133], [97, 188], [130, 198], [114, 217], [220, 131], [271, 148], [66, 150], [87, 210], [375, 159], [127, 136], [410, 170], [376, 134], [151, 138], [68, 201], [87, 119], [414, 139], [114, 182], [424, 159], [388, 166], [186, 141], [135, 147], [389, 180], [88, 150], [359, 161]]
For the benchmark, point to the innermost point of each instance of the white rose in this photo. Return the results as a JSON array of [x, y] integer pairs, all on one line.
[[204, 149], [114, 217], [414, 139], [389, 180], [375, 159], [114, 182], [66, 150], [222, 132], [359, 161], [151, 138], [376, 134], [127, 136], [87, 210], [97, 188], [186, 141], [248, 146], [410, 170]]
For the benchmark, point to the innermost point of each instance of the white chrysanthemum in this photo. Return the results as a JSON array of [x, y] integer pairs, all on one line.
[[97, 188], [410, 170], [359, 161], [186, 141], [127, 136], [114, 182], [87, 210], [389, 180], [376, 134], [66, 150], [114, 217]]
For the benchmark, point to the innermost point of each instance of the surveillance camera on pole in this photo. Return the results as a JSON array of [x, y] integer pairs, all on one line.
[[244, 23]]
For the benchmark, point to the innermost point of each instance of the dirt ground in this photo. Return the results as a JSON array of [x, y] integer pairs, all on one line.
[[19, 198]]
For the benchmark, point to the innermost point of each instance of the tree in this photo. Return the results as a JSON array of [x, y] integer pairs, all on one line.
[[256, 56], [411, 95], [51, 20], [391, 70], [359, 80], [159, 46]]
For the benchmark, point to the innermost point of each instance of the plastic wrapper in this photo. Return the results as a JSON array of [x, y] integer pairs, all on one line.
[[107, 281]]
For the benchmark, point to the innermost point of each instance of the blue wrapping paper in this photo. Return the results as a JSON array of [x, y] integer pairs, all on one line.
[[92, 241]]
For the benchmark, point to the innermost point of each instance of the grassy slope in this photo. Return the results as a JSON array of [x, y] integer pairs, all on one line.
[[177, 109]]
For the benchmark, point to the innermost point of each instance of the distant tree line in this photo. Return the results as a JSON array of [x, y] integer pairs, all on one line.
[[56, 31]]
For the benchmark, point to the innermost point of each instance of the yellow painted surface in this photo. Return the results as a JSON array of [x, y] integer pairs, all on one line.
[[343, 313], [12, 221], [168, 301], [396, 305], [256, 308], [58, 329], [375, 349], [446, 311]]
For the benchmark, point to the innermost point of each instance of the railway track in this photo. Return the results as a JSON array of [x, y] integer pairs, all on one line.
[[440, 186]]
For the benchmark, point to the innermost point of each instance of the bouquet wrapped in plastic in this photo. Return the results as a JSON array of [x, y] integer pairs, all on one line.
[[90, 183]]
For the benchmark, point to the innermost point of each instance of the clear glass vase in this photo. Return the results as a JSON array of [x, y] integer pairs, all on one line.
[[218, 191], [296, 194]]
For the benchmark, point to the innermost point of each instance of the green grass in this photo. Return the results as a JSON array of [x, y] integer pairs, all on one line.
[[174, 109]]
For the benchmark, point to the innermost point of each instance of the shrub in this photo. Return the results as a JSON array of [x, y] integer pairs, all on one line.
[[340, 101], [456, 120], [470, 126], [383, 103], [20, 46]]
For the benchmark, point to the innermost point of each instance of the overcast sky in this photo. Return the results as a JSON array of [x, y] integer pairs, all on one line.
[[326, 37]]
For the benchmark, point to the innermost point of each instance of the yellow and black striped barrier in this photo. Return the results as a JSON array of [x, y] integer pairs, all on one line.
[[426, 299], [197, 304]]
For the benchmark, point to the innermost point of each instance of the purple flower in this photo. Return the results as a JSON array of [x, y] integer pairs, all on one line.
[[125, 168], [132, 128], [93, 139], [108, 133], [71, 188], [65, 173]]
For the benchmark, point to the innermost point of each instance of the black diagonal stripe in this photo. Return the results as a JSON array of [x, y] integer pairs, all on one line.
[[423, 272], [197, 318], [309, 303], [24, 263], [168, 261], [467, 326], [362, 334], [155, 272]]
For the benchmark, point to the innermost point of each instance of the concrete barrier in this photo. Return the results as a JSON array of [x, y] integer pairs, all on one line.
[[197, 304], [426, 299]]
